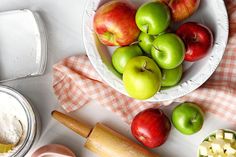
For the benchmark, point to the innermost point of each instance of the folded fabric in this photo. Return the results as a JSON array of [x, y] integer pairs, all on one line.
[[76, 83]]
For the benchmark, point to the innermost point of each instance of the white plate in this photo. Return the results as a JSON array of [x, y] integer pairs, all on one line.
[[211, 13], [23, 47]]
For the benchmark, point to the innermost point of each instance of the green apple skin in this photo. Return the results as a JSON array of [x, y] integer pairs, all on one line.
[[142, 78], [170, 77], [145, 42], [168, 51], [122, 55], [188, 118], [153, 18]]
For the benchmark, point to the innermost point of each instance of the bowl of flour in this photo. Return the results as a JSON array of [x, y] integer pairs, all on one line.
[[19, 124]]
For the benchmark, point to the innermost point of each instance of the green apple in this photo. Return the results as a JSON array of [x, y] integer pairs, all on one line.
[[168, 51], [122, 55], [145, 42], [188, 118], [142, 78], [171, 77], [153, 17]]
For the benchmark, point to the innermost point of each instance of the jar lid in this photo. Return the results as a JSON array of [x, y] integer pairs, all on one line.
[[23, 47]]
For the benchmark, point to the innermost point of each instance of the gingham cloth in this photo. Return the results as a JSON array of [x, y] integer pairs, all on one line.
[[76, 83]]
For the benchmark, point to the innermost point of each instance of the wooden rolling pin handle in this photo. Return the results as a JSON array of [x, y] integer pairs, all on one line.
[[78, 127]]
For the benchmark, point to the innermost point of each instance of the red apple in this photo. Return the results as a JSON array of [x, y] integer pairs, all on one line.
[[198, 40], [182, 9], [114, 24], [151, 127]]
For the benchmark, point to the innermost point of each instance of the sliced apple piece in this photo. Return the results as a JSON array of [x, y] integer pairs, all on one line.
[[205, 148], [218, 146], [229, 149], [211, 154], [220, 134], [228, 136], [211, 138], [4, 148], [233, 144]]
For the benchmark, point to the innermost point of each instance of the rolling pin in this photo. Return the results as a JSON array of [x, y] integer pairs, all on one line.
[[102, 140]]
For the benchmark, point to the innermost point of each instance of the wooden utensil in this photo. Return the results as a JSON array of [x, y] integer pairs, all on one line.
[[102, 140]]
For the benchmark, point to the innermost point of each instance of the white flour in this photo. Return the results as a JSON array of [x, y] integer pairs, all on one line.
[[13, 123], [10, 129]]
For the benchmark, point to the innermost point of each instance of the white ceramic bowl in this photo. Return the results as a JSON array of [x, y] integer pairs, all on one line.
[[211, 13]]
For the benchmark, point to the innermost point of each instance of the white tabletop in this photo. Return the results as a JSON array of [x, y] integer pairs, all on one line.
[[63, 20]]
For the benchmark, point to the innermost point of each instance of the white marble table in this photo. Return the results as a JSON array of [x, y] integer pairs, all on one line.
[[63, 20]]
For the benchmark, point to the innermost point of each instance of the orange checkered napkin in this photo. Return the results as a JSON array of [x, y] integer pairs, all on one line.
[[76, 83]]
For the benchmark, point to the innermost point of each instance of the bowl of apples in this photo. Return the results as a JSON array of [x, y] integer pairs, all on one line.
[[155, 50]]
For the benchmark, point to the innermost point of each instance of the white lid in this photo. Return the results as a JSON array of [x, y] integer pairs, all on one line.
[[23, 47]]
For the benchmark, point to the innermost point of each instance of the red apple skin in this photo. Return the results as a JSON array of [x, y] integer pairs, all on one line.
[[114, 24], [151, 127], [182, 9], [198, 40]]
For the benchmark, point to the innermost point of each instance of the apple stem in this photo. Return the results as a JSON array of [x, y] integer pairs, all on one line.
[[146, 28], [156, 48], [171, 1], [195, 38], [135, 42], [195, 118], [111, 37], [142, 138], [144, 66]]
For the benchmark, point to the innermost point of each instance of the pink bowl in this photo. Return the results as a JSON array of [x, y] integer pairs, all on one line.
[[53, 150]]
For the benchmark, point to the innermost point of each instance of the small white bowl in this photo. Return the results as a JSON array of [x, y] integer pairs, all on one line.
[[213, 133], [211, 13]]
